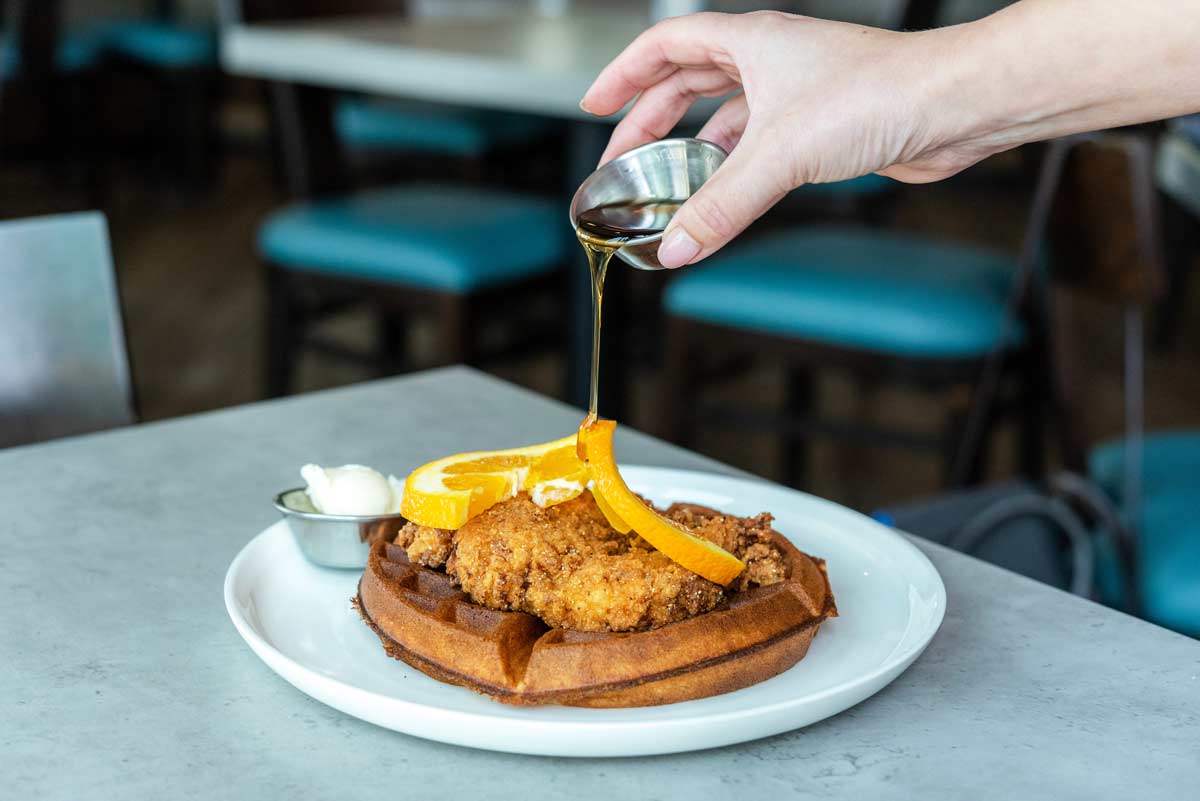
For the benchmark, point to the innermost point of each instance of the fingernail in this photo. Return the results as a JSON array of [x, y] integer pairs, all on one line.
[[677, 248], [583, 105]]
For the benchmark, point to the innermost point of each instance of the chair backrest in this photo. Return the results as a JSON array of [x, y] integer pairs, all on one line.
[[63, 364]]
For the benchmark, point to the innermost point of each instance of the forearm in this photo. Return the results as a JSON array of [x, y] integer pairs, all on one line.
[[1046, 68], [824, 101]]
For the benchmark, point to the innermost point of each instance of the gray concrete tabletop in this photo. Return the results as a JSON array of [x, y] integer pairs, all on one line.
[[122, 677]]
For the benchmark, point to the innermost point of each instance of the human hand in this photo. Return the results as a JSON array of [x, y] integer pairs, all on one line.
[[819, 101]]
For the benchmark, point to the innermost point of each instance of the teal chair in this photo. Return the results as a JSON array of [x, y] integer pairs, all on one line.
[[1152, 480], [880, 306], [482, 266], [461, 257], [877, 303], [1166, 570], [373, 125], [388, 139]]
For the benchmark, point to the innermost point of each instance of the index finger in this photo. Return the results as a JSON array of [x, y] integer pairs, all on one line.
[[692, 41]]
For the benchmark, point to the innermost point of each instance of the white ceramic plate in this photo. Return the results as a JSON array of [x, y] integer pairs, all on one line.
[[298, 619]]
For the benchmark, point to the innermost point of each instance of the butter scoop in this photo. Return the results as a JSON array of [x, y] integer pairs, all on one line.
[[352, 489]]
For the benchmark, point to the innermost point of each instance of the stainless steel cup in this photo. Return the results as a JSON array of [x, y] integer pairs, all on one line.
[[669, 169], [334, 540]]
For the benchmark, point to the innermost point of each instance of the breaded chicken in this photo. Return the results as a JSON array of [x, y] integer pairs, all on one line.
[[747, 538], [426, 546], [567, 566]]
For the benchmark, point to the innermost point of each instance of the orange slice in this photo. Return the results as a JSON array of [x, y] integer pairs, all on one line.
[[450, 491], [610, 515], [556, 477], [698, 555]]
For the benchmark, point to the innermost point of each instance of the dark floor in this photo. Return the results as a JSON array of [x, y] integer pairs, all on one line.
[[193, 305]]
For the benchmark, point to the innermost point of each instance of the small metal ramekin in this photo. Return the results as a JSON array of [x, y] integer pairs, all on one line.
[[335, 540], [669, 169]]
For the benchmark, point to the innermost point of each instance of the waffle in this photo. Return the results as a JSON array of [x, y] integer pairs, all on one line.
[[424, 619]]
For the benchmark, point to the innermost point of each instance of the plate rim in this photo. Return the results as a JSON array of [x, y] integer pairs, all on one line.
[[895, 663]]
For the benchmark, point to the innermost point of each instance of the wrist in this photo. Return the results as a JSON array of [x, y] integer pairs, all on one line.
[[962, 100]]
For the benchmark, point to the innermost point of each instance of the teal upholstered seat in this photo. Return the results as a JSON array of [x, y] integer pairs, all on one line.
[[1169, 563], [1169, 459], [448, 238], [1168, 575], [854, 288], [162, 43], [367, 124]]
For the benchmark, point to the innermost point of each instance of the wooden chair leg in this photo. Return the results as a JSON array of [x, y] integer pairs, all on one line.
[[284, 325], [676, 396], [799, 401]]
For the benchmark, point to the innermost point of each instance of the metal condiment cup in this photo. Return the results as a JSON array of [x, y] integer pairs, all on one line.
[[334, 540], [666, 170]]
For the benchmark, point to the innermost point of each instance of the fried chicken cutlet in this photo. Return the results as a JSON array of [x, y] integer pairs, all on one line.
[[568, 566]]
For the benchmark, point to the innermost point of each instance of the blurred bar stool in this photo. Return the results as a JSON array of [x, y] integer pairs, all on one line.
[[1153, 479], [458, 254], [62, 345], [879, 305]]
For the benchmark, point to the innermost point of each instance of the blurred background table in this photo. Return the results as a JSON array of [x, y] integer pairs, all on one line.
[[122, 676], [503, 56]]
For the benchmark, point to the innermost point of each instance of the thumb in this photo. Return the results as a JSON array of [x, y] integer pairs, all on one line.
[[737, 194]]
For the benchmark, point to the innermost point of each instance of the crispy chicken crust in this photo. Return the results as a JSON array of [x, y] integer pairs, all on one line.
[[567, 566]]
